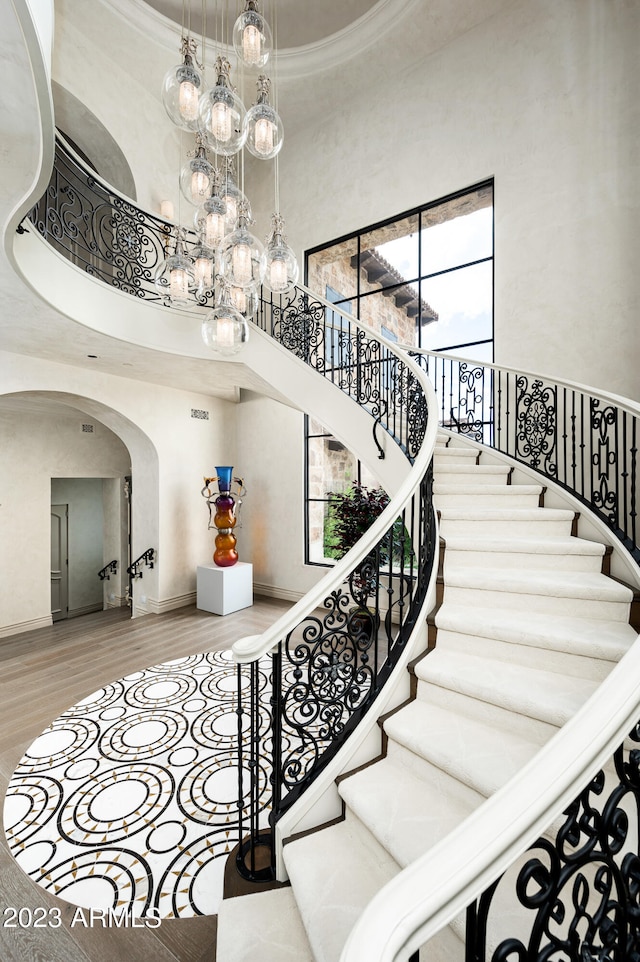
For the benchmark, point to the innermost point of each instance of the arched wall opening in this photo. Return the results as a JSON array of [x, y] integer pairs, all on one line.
[[48, 435]]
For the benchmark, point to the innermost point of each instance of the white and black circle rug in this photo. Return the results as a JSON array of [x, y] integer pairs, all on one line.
[[129, 800]]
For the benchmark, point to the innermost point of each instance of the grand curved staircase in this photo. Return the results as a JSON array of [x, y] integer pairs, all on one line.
[[527, 628], [464, 792]]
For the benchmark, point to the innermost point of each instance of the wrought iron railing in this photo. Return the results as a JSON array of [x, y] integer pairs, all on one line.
[[362, 366], [578, 888], [108, 570], [102, 232], [298, 704], [147, 559], [575, 893], [585, 441]]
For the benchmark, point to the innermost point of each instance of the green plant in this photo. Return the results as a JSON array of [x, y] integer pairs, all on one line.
[[351, 514]]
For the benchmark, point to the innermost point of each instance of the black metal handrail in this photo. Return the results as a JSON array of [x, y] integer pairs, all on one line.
[[585, 441], [146, 559], [108, 570]]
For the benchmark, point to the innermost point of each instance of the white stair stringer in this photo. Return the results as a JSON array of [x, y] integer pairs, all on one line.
[[527, 629]]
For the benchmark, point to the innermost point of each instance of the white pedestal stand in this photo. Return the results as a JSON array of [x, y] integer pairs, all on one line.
[[223, 590]]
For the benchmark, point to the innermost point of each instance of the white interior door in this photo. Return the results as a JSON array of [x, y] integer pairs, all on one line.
[[59, 561]]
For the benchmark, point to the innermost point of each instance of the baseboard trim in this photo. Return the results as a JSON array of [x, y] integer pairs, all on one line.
[[156, 607], [21, 626], [272, 591], [119, 601]]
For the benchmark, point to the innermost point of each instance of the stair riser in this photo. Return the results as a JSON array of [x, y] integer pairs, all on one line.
[[560, 662], [506, 528], [441, 459], [481, 500], [404, 757], [482, 767], [470, 477], [539, 604], [465, 706], [466, 561], [576, 642]]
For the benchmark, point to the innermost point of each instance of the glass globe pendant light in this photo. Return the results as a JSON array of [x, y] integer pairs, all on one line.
[[175, 277], [196, 176], [240, 255], [263, 128], [232, 196], [181, 89], [203, 268], [252, 36], [221, 114], [224, 329], [280, 267], [210, 221], [244, 299]]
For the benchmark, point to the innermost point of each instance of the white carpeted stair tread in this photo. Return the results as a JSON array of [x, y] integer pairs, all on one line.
[[335, 873], [571, 594], [480, 755], [548, 696], [505, 491], [599, 639], [265, 926], [407, 814], [474, 471], [531, 545], [524, 554], [510, 522], [455, 451], [543, 515], [582, 584], [562, 662], [473, 496]]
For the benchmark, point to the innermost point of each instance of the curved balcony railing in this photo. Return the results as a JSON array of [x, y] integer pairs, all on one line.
[[102, 232], [584, 440], [306, 683]]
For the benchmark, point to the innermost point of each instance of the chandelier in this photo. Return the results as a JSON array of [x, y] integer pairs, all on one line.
[[228, 262]]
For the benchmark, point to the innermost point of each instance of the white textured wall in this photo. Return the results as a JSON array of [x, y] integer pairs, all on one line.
[[170, 453], [542, 96], [36, 447], [270, 460]]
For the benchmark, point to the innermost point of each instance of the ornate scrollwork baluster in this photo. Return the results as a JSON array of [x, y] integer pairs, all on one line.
[[536, 424], [580, 890], [604, 459]]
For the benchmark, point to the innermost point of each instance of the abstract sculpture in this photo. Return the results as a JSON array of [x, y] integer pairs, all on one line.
[[225, 518]]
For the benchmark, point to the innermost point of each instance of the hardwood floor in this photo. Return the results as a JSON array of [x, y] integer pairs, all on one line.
[[44, 672]]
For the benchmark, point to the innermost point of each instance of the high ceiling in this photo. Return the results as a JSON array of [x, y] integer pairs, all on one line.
[[297, 23]]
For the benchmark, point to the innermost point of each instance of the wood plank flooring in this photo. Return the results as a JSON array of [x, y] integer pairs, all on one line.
[[44, 672]]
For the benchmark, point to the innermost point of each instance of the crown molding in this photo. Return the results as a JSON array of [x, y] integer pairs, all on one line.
[[292, 62]]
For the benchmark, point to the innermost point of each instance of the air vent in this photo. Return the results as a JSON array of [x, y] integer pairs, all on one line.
[[87, 428], [200, 414]]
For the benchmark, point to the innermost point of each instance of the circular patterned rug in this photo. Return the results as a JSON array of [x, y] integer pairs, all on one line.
[[129, 799]]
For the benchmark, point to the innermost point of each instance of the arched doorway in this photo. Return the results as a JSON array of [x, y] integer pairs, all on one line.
[[63, 438]]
